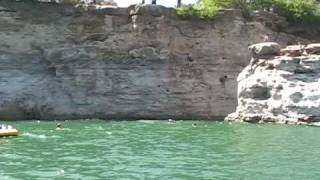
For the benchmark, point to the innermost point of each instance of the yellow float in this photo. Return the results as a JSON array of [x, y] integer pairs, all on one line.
[[8, 132]]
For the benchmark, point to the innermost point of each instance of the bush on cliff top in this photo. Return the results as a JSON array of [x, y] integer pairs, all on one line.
[[293, 10], [298, 10], [202, 10]]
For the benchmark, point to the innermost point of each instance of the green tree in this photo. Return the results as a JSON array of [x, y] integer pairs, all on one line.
[[298, 10], [293, 10]]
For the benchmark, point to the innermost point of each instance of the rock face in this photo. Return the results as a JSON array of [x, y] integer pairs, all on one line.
[[61, 62], [280, 89]]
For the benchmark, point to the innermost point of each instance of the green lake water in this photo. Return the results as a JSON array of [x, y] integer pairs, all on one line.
[[159, 150]]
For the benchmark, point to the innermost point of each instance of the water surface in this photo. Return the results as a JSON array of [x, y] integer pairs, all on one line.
[[159, 150]]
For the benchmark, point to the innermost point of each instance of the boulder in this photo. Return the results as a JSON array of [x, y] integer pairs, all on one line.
[[265, 49]]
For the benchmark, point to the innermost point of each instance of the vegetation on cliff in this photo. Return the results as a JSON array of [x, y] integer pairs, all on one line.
[[293, 10]]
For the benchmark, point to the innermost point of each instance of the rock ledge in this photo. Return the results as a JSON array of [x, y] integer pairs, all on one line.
[[280, 86]]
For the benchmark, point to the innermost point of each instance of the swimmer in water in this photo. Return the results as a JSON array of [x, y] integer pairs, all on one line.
[[59, 126], [194, 125], [171, 121]]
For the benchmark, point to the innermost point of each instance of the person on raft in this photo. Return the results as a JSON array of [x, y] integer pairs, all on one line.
[[5, 127], [2, 126]]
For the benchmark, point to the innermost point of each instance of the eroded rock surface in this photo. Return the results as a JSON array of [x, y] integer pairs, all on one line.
[[61, 62], [280, 89]]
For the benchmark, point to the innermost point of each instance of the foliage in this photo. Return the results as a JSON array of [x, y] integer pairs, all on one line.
[[298, 10], [293, 10], [199, 10], [209, 8], [188, 10], [262, 4]]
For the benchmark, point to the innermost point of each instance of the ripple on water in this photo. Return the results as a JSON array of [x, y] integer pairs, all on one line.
[[40, 136], [159, 150]]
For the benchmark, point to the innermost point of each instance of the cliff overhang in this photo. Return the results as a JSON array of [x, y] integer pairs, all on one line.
[[280, 85]]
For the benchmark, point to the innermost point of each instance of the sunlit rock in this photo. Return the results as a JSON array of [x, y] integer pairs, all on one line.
[[62, 61], [281, 89]]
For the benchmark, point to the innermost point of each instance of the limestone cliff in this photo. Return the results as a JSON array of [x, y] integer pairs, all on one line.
[[280, 86], [62, 62]]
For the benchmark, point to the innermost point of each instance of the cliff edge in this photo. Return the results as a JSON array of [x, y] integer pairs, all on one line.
[[280, 85], [141, 62]]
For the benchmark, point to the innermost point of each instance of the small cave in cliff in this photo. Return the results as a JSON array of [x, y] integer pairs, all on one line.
[[257, 93], [261, 93]]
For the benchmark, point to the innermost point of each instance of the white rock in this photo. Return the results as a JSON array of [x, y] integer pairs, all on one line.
[[266, 48], [287, 93]]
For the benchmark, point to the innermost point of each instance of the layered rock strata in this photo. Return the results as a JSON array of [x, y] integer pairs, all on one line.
[[141, 62], [280, 85]]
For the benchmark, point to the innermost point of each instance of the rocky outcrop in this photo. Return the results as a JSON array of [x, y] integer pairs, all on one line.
[[61, 62], [280, 86]]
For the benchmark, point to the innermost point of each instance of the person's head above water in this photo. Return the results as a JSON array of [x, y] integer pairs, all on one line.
[[59, 125]]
